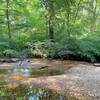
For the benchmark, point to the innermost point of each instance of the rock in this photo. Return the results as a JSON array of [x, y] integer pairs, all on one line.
[[7, 60], [97, 64], [43, 67]]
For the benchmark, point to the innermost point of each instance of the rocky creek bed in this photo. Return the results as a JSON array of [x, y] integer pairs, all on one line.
[[75, 79]]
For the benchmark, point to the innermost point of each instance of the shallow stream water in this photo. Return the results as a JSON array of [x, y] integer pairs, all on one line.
[[11, 89], [11, 79]]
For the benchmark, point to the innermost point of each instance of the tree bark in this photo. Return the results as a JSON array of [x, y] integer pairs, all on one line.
[[50, 18], [8, 21], [50, 29]]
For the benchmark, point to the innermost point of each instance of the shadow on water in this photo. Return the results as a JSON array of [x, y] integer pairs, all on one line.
[[10, 89]]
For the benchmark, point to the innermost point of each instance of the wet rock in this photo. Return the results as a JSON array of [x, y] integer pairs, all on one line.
[[8, 60], [97, 64], [43, 67]]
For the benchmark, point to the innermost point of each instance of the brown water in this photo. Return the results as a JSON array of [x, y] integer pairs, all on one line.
[[29, 92], [11, 78], [30, 72], [12, 89]]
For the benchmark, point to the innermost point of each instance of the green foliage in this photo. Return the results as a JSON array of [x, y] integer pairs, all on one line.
[[10, 53], [53, 49], [43, 49], [89, 47], [73, 26], [86, 48]]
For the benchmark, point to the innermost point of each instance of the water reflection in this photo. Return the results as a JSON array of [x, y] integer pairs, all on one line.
[[23, 71], [29, 72], [11, 89], [29, 92]]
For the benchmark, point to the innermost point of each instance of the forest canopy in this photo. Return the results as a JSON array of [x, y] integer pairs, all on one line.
[[65, 29]]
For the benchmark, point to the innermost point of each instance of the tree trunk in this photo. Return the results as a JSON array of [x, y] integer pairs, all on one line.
[[8, 21], [49, 6], [94, 16], [50, 29]]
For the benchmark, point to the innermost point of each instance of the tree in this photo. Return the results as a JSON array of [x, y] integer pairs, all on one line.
[[8, 20], [48, 7]]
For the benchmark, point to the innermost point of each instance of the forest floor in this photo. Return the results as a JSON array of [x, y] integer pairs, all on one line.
[[80, 79]]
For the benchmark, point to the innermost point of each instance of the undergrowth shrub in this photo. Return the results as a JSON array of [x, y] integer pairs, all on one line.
[[43, 49], [10, 53], [87, 48], [52, 49]]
